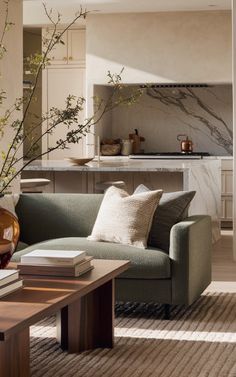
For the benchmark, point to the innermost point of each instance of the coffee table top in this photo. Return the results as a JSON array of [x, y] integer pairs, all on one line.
[[45, 295]]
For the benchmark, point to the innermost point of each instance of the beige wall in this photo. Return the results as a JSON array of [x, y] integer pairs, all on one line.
[[160, 47], [11, 65]]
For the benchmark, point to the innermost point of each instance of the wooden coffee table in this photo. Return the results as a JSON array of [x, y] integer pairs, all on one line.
[[84, 307]]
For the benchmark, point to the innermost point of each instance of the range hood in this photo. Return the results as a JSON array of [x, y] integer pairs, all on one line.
[[174, 85]]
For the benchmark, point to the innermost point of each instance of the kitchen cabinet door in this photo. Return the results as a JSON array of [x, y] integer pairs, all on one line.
[[59, 54], [76, 47], [228, 187], [70, 182], [59, 83], [227, 196], [154, 181], [72, 51], [228, 208]]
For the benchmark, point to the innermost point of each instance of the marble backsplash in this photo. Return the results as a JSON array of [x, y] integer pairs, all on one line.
[[203, 114]]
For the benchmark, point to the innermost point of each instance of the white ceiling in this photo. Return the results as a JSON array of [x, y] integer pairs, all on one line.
[[34, 14]]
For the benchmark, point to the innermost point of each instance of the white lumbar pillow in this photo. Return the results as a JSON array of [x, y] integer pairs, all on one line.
[[124, 218]]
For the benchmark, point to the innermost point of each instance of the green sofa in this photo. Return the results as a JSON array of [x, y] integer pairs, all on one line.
[[63, 221]]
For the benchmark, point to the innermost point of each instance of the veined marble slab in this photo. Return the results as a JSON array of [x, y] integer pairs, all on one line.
[[205, 179]]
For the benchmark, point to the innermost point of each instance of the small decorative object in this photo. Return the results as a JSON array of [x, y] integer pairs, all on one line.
[[110, 150], [186, 144], [126, 147], [110, 147], [136, 142], [80, 160], [9, 235]]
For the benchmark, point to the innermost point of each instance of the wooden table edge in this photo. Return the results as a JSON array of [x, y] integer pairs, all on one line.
[[54, 308]]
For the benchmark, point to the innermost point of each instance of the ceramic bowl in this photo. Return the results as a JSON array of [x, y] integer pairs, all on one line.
[[79, 160]]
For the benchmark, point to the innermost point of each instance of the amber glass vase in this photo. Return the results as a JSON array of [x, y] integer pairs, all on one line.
[[9, 235]]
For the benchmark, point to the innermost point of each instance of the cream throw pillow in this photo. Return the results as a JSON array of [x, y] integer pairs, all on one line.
[[125, 219]]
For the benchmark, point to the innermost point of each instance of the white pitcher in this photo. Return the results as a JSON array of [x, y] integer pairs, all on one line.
[[126, 147]]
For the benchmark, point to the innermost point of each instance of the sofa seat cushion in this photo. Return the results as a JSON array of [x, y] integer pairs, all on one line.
[[148, 263]]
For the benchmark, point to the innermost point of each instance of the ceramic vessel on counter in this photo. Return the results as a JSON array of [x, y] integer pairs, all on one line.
[[126, 147], [186, 144], [110, 149], [137, 139]]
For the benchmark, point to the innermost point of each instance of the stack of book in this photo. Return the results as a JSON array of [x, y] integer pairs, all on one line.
[[9, 281], [71, 263]]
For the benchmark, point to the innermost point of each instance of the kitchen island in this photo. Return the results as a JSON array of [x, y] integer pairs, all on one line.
[[203, 176]]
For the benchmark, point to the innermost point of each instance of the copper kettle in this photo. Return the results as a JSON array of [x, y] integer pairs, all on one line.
[[186, 144]]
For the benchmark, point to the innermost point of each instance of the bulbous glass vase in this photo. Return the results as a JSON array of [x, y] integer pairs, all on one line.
[[9, 236]]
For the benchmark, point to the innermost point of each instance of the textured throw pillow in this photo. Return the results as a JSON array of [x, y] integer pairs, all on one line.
[[124, 218], [173, 207], [9, 202]]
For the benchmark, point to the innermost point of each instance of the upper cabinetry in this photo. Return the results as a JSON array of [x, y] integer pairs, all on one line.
[[63, 77], [71, 51]]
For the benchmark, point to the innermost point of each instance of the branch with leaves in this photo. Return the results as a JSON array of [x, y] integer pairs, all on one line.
[[68, 117]]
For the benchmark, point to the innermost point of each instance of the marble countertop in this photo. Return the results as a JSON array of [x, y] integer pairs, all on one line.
[[218, 158], [119, 164]]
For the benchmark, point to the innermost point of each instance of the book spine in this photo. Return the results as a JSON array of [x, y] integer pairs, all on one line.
[[48, 261], [34, 270], [9, 279]]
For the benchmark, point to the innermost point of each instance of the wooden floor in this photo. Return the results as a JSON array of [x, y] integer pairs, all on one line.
[[223, 265]]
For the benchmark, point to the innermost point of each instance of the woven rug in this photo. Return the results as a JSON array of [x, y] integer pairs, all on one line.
[[199, 341]]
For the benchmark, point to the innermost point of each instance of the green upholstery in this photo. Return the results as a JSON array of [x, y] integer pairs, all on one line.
[[150, 264], [190, 253], [21, 246], [46, 216], [65, 220]]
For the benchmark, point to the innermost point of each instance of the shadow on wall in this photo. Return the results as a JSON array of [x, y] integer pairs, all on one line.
[[160, 47]]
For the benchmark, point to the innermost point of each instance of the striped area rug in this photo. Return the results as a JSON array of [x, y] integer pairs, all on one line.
[[199, 341]]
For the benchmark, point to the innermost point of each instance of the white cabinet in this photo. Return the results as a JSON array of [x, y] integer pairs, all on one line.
[[226, 193], [65, 75], [59, 83], [76, 47], [227, 182], [59, 53], [73, 49]]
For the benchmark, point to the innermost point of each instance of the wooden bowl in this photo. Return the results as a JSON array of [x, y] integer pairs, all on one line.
[[110, 149], [80, 160]]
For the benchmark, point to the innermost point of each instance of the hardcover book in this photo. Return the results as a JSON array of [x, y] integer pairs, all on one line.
[[53, 257], [7, 276], [57, 270], [11, 287]]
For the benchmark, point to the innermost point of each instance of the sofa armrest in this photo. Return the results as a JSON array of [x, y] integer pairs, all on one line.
[[190, 254]]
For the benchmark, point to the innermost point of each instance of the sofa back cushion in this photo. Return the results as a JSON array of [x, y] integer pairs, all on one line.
[[173, 207], [47, 216]]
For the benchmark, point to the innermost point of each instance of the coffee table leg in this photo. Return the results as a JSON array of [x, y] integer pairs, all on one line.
[[89, 322], [15, 355]]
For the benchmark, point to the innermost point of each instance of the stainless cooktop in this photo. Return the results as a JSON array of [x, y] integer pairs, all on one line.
[[170, 155]]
